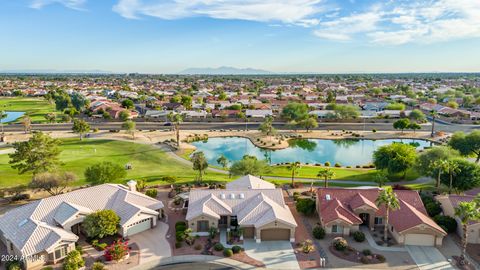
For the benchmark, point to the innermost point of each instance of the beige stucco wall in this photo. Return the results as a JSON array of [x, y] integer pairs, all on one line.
[[212, 222], [473, 235], [347, 228]]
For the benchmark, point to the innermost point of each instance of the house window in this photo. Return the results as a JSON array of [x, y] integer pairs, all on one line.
[[335, 229], [61, 252], [378, 220]]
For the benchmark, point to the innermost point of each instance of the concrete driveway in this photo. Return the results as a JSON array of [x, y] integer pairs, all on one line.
[[153, 244], [428, 258], [274, 254]]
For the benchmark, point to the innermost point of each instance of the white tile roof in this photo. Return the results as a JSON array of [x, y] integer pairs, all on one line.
[[35, 227]]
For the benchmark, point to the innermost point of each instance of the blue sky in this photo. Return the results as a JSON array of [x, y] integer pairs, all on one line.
[[167, 36]]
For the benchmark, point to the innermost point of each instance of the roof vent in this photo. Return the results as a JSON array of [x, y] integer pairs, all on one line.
[[23, 222], [327, 197], [232, 196], [242, 196], [222, 196]]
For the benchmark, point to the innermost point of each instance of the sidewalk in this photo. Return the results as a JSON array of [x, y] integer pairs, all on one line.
[[372, 242]]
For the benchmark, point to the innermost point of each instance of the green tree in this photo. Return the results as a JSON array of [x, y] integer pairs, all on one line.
[[176, 119], [200, 164], [124, 115], [128, 104], [81, 127], [417, 116], [27, 124], [39, 154], [104, 172], [267, 126], [466, 144], [249, 165], [3, 115], [395, 106], [433, 114], [129, 127], [305, 206], [222, 160], [389, 200], [309, 123], [79, 101], [101, 223], [295, 111], [440, 166], [395, 158], [414, 126], [429, 156], [380, 178], [465, 175], [401, 124], [346, 111], [187, 102], [73, 261], [294, 167], [326, 174], [452, 168], [467, 212], [53, 183]]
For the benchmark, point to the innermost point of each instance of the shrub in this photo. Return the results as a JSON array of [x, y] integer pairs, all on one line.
[[433, 208], [338, 165], [102, 246], [180, 228], [180, 236], [359, 236], [305, 206], [236, 249], [180, 223], [228, 252], [13, 265], [380, 258], [364, 260], [198, 247], [178, 244], [218, 247], [73, 261], [367, 252], [116, 251], [47, 268], [339, 243], [447, 222], [374, 130], [151, 193], [318, 232], [79, 249], [327, 164], [98, 266], [101, 223], [307, 246]]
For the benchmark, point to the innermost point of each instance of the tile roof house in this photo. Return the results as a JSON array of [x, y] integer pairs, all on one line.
[[448, 204], [44, 231], [342, 211], [249, 203]]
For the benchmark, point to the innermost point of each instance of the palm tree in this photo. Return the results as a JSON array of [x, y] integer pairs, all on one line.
[[433, 114], [440, 166], [294, 167], [326, 174], [380, 178], [389, 199], [467, 212], [27, 123], [2, 116], [452, 168], [222, 160], [176, 119]]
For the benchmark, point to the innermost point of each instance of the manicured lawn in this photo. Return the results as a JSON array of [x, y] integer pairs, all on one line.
[[148, 162], [36, 108]]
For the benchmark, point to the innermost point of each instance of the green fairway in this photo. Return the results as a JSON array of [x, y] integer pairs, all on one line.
[[148, 162], [36, 108]]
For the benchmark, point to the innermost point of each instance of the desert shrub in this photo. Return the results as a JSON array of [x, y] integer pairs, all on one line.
[[236, 249], [218, 247], [318, 232], [307, 246], [446, 222], [198, 247], [339, 243], [367, 252], [364, 260], [374, 130], [380, 258], [228, 252], [178, 244], [359, 236], [338, 165], [98, 266], [305, 206], [327, 164], [151, 193]]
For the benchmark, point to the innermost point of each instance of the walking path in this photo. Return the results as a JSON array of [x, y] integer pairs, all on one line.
[[372, 242]]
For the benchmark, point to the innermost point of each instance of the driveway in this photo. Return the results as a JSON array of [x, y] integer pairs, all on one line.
[[274, 254], [428, 258], [152, 243]]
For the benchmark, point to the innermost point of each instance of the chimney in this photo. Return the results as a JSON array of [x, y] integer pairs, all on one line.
[[132, 185]]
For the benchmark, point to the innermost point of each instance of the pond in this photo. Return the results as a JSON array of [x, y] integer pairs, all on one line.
[[347, 152], [11, 116]]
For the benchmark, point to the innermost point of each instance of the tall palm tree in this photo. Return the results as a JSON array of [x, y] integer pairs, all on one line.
[[433, 114], [467, 212], [176, 119], [452, 168], [389, 199], [27, 123], [294, 167], [326, 174], [2, 116], [441, 166]]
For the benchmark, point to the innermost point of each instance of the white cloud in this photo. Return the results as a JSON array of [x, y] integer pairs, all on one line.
[[300, 12], [73, 4]]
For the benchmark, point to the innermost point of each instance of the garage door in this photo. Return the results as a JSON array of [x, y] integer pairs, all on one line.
[[275, 234], [415, 239], [140, 227]]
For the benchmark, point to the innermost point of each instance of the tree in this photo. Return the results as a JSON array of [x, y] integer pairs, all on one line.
[[389, 200], [346, 111], [267, 126], [395, 106], [425, 160], [200, 164], [3, 115], [176, 119], [395, 158], [124, 115], [27, 124], [79, 101], [39, 154], [401, 124], [452, 104], [326, 174], [306, 206], [433, 114], [380, 178], [467, 212], [465, 176], [417, 115], [222, 160], [294, 167], [452, 168], [466, 144], [81, 127], [128, 104], [53, 183], [104, 172], [440, 166], [101, 223], [249, 165], [73, 261], [295, 111], [187, 102], [309, 123], [50, 117], [414, 126], [129, 127]]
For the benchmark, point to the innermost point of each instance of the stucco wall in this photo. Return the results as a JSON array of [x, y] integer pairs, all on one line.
[[192, 223]]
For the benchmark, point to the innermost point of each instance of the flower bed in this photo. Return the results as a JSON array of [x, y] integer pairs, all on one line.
[[341, 249]]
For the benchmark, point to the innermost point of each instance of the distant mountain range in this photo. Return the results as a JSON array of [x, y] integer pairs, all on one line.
[[224, 71]]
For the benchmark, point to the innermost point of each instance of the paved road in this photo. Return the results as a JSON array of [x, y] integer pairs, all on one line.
[[237, 126], [196, 266]]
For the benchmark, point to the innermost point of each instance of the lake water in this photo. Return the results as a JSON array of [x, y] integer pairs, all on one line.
[[345, 152], [12, 116]]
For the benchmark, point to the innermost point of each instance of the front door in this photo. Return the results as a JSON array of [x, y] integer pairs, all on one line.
[[365, 217], [202, 226], [222, 223]]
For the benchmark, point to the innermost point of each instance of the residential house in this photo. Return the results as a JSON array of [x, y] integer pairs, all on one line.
[[258, 113], [250, 203], [343, 211]]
